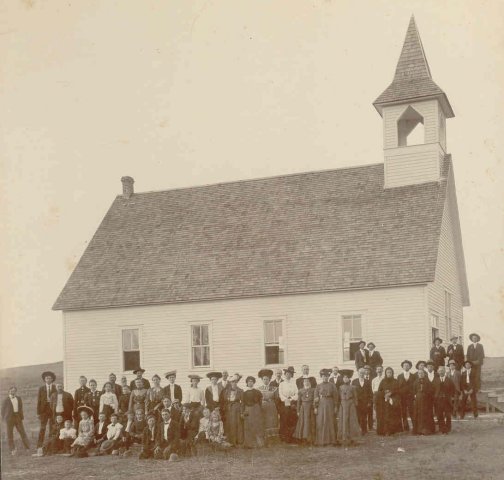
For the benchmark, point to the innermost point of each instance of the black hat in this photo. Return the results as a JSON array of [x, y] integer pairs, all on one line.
[[419, 362], [468, 361], [406, 361], [48, 374], [214, 374], [436, 339], [250, 377], [474, 335], [371, 343], [454, 337], [138, 370], [325, 371], [429, 362], [346, 372], [290, 370], [265, 372]]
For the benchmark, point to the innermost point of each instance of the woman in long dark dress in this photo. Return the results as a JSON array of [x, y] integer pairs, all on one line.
[[423, 419], [231, 401], [348, 425], [269, 409], [305, 427], [253, 431], [326, 404], [390, 404]]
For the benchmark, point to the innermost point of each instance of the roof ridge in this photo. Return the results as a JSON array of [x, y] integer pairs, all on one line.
[[249, 180]]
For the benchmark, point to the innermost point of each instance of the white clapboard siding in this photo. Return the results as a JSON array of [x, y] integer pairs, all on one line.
[[447, 278], [413, 165], [396, 319], [429, 111]]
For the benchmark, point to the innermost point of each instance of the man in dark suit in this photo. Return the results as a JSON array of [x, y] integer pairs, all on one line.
[[172, 391], [62, 403], [468, 383], [476, 355], [361, 356], [44, 411], [374, 359], [336, 377], [455, 352], [438, 354], [454, 375], [80, 397], [443, 394], [306, 374], [364, 395], [168, 437], [150, 437], [100, 431], [405, 383], [12, 414], [139, 376], [189, 425]]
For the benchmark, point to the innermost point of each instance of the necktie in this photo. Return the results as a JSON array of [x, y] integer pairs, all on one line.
[[48, 392]]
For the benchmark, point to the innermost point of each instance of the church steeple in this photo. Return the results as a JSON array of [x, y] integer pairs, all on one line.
[[414, 110]]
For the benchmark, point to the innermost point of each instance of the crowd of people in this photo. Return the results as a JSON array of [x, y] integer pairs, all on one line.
[[337, 409]]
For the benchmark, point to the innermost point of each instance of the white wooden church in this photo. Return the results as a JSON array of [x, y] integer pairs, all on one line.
[[285, 270]]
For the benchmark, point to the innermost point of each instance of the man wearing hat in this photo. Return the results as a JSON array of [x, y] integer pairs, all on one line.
[[172, 391], [454, 375], [437, 353], [468, 385], [139, 376], [476, 355], [455, 352], [405, 383], [374, 358], [213, 391], [288, 397], [306, 374], [361, 356], [44, 411]]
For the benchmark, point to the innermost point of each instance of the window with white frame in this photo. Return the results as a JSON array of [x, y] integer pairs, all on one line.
[[131, 349], [352, 335], [200, 345], [434, 327], [274, 352], [448, 314]]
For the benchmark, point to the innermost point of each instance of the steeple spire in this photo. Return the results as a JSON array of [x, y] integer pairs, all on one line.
[[412, 79]]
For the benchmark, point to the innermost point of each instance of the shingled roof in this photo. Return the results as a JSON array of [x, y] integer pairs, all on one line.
[[310, 232], [412, 79]]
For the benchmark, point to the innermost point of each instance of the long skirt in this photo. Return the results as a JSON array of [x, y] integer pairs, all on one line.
[[270, 419], [378, 402], [392, 421], [348, 424], [305, 427], [233, 426], [423, 420], [326, 434], [288, 421], [253, 433]]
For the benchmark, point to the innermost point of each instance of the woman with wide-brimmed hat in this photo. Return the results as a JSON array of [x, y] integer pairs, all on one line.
[[232, 409], [253, 431], [326, 407], [269, 409], [288, 398], [139, 375], [85, 432]]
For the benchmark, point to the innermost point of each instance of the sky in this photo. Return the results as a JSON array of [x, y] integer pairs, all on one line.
[[187, 93]]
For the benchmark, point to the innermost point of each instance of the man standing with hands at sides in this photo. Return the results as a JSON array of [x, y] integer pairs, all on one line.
[[44, 412], [361, 356], [12, 413], [172, 391], [476, 355], [306, 374], [364, 395], [437, 353], [374, 358], [336, 377], [442, 401], [375, 385], [405, 384], [468, 387], [455, 352], [62, 403], [454, 375]]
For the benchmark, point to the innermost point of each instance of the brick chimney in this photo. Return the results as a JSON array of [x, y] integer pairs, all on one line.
[[127, 183]]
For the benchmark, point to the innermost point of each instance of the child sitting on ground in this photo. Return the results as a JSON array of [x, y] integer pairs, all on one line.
[[67, 435], [204, 427], [216, 431], [54, 445]]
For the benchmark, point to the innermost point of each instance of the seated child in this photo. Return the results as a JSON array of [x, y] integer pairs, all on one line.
[[176, 410], [112, 441], [204, 425], [54, 445], [149, 437], [101, 429], [85, 435], [216, 431], [67, 435]]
